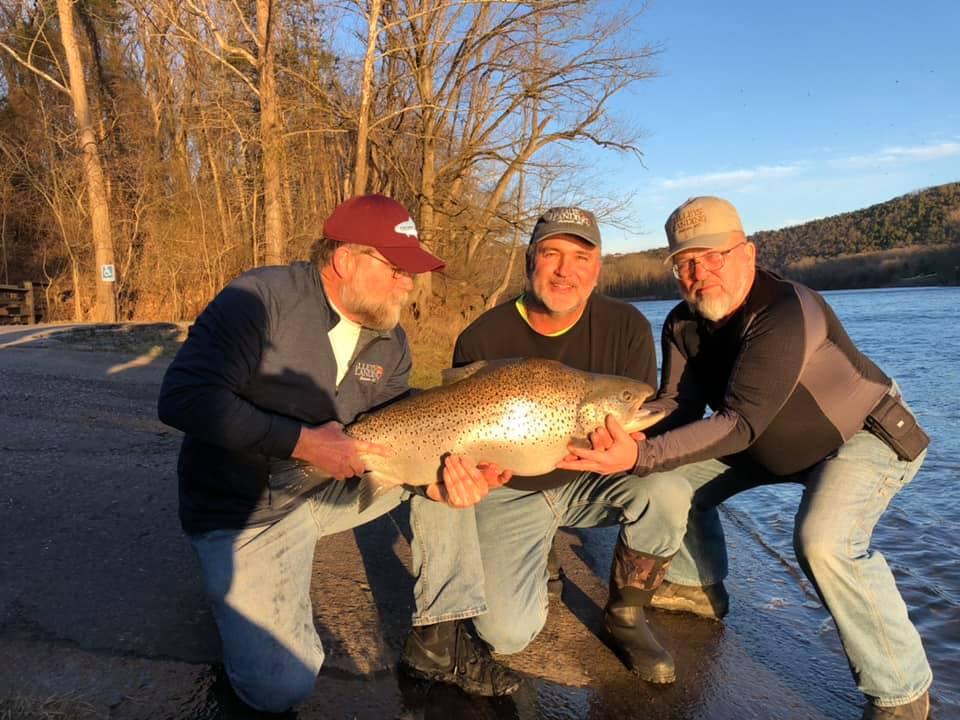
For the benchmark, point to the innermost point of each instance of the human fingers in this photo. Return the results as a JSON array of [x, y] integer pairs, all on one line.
[[463, 482], [494, 475], [615, 429], [435, 492], [600, 439], [371, 448]]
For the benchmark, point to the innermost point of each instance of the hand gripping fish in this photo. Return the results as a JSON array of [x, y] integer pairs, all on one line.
[[520, 414]]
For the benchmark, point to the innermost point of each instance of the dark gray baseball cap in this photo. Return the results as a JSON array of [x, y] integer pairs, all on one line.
[[566, 221]]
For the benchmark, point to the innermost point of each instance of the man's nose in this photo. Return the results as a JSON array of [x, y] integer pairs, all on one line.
[[699, 270]]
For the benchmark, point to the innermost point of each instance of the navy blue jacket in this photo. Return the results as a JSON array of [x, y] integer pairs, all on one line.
[[256, 366]]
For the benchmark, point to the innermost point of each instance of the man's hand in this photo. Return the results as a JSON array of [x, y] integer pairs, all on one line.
[[612, 450], [329, 449], [465, 483]]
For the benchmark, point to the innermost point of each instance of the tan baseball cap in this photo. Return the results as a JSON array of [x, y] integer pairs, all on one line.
[[701, 222]]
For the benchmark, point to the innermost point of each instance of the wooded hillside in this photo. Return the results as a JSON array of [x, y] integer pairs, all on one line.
[[912, 239]]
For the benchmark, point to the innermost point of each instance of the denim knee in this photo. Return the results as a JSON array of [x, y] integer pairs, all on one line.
[[274, 691], [669, 500], [817, 550], [509, 635]]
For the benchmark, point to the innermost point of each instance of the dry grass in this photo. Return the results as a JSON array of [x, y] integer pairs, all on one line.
[[162, 338]]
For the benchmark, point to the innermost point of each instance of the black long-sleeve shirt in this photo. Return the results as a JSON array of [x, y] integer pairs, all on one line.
[[785, 383]]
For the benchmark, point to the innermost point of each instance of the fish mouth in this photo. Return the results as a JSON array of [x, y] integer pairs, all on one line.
[[643, 419]]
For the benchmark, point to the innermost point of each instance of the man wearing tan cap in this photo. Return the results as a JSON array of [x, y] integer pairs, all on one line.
[[561, 317], [272, 369], [792, 400]]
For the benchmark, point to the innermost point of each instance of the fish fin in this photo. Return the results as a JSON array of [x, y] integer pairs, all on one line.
[[454, 375], [450, 376], [372, 487]]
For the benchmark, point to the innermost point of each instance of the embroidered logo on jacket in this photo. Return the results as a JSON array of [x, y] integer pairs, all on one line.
[[368, 372]]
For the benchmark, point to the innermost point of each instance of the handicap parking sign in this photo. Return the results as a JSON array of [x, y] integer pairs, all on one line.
[[107, 273]]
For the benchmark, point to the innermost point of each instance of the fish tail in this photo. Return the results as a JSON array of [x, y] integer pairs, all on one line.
[[370, 490]]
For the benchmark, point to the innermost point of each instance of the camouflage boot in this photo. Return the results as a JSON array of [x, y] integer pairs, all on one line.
[[707, 601], [634, 578], [555, 572]]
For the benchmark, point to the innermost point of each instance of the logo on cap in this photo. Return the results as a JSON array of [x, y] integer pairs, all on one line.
[[406, 228], [572, 215], [690, 219]]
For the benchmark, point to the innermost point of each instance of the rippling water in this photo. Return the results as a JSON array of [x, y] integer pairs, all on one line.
[[913, 334]]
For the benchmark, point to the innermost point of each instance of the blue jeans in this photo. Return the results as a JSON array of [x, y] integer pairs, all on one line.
[[258, 583], [516, 530], [843, 498]]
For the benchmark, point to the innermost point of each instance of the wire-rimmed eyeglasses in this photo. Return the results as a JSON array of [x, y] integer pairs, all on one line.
[[711, 261], [398, 273]]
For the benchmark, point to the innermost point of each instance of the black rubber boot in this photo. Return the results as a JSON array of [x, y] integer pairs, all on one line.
[[634, 578], [448, 652]]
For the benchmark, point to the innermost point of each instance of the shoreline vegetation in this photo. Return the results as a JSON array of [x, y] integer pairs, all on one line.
[[844, 252], [909, 241]]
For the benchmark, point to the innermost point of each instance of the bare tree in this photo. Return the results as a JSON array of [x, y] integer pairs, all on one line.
[[366, 92], [105, 306]]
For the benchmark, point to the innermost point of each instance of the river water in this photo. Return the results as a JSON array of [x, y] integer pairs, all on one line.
[[913, 334]]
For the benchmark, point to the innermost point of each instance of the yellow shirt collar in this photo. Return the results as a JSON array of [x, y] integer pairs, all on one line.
[[522, 309]]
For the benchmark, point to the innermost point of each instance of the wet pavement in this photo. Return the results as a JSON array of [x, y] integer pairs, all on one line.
[[102, 610]]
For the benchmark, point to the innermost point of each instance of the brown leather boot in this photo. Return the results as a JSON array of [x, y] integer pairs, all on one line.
[[634, 578], [919, 709]]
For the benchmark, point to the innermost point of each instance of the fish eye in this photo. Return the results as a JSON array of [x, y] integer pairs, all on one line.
[[626, 396]]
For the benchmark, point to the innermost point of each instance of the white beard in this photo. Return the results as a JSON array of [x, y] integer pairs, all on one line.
[[716, 307], [713, 309], [378, 316]]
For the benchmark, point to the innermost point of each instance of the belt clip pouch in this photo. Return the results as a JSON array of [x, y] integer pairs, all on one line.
[[897, 427]]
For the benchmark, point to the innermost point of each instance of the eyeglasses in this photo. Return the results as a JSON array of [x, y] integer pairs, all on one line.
[[398, 273], [711, 261]]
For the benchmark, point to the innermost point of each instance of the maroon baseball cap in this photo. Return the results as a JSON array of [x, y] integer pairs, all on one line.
[[384, 224]]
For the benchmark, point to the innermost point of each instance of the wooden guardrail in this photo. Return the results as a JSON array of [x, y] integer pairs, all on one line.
[[23, 304]]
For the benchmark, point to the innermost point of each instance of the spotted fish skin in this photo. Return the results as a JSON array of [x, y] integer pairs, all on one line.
[[519, 414]]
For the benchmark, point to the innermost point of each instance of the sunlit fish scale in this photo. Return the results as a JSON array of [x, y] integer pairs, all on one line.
[[519, 414]]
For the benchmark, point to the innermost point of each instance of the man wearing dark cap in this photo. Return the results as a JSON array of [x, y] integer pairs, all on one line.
[[272, 369], [560, 317], [792, 400]]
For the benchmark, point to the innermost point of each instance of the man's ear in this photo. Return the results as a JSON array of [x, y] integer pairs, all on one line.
[[342, 262]]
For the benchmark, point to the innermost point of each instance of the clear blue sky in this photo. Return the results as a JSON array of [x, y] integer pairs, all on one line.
[[790, 110]]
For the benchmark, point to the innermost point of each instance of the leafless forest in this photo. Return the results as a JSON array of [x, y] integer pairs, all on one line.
[[185, 141]]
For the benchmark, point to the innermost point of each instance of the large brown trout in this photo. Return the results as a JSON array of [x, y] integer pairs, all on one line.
[[519, 414]]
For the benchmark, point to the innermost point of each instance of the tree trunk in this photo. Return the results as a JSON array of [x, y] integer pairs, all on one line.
[[360, 168], [105, 306], [505, 280], [270, 132]]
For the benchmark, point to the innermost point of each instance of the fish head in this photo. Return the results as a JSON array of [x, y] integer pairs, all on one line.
[[618, 396]]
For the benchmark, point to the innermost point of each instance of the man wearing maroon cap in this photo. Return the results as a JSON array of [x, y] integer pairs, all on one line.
[[272, 369]]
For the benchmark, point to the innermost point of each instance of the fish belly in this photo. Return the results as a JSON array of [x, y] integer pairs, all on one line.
[[426, 468]]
